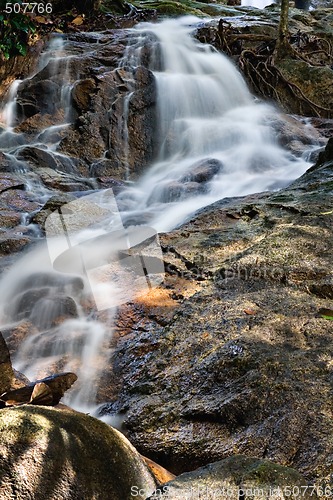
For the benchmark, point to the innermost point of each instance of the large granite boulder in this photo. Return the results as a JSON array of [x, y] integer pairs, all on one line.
[[51, 453], [233, 354]]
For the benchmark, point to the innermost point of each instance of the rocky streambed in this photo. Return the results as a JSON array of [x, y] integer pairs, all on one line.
[[230, 359]]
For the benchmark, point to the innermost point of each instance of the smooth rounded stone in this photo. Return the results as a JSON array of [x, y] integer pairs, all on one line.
[[23, 304], [203, 171], [49, 311], [175, 191], [48, 453], [296, 133], [55, 280], [237, 477], [42, 307]]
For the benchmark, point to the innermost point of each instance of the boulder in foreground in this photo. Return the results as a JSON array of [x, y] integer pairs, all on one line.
[[50, 454]]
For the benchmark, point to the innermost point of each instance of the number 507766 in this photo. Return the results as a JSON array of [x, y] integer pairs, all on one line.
[[40, 8]]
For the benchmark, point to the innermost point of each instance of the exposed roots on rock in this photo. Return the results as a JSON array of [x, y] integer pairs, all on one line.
[[268, 80], [259, 65]]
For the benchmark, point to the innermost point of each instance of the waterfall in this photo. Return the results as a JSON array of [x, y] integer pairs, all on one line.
[[215, 141]]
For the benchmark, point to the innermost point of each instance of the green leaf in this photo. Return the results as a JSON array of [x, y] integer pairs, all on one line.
[[326, 313], [22, 49]]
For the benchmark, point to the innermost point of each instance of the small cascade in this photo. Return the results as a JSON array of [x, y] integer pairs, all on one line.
[[216, 140], [124, 128], [19, 147], [8, 113]]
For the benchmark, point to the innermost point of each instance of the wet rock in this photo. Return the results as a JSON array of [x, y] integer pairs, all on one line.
[[10, 181], [62, 181], [105, 168], [99, 131], [238, 477], [49, 311], [39, 122], [46, 159], [81, 94], [9, 378], [238, 359], [175, 191], [9, 219], [54, 203], [38, 96], [47, 391], [297, 133], [18, 200], [326, 155], [14, 336], [160, 473], [14, 240], [4, 163], [203, 171], [67, 455], [54, 280], [6, 370], [105, 182], [43, 309], [19, 67]]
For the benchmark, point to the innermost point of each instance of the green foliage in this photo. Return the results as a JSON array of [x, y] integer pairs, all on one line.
[[15, 29]]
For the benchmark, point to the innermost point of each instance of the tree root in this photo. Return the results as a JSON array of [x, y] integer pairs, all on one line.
[[259, 66]]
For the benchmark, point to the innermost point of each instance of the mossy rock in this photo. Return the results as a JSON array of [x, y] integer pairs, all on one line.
[[50, 454], [170, 8], [239, 477], [315, 82], [187, 7]]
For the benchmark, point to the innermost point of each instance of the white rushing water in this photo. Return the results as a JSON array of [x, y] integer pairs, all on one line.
[[215, 141], [209, 121]]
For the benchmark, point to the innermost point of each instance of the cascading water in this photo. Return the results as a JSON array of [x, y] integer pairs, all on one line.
[[215, 141]]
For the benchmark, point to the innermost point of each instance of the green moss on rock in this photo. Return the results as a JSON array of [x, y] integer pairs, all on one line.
[[47, 453]]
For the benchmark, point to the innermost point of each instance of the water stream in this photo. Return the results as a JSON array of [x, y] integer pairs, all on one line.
[[215, 141]]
